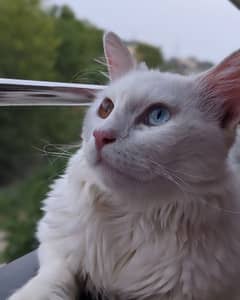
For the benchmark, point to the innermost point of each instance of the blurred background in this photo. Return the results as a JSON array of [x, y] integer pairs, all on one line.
[[62, 41]]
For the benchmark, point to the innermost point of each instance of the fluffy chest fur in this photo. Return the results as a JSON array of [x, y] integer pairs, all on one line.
[[169, 252]]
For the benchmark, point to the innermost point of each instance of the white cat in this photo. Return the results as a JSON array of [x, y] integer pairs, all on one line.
[[149, 207]]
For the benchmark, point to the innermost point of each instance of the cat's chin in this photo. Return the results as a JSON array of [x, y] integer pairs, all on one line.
[[123, 180], [127, 184], [114, 178], [111, 173]]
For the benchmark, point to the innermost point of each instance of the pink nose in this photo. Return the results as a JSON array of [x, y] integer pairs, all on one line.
[[104, 137]]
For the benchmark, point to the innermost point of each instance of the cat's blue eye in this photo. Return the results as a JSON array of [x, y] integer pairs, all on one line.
[[157, 116]]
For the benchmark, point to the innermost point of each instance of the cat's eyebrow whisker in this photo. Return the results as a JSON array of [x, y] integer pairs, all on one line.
[[84, 77], [104, 74], [101, 61], [81, 76]]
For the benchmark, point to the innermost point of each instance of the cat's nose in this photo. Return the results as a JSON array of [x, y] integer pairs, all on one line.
[[104, 137]]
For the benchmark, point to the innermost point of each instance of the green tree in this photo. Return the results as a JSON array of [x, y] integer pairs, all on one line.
[[150, 54], [27, 39], [28, 50], [80, 43], [20, 209], [46, 45]]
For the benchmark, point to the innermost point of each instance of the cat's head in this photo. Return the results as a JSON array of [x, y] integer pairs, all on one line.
[[159, 131]]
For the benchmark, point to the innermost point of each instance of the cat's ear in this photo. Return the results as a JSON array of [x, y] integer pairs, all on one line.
[[119, 59], [220, 88]]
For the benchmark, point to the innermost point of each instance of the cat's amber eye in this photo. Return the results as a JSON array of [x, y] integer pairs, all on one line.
[[105, 108]]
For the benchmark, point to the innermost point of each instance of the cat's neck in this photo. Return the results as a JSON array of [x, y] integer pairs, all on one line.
[[201, 209], [187, 215], [206, 204]]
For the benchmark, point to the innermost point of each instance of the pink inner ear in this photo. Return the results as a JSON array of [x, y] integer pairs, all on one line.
[[111, 61], [119, 59], [222, 84]]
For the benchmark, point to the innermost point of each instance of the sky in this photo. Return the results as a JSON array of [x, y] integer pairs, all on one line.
[[207, 29]]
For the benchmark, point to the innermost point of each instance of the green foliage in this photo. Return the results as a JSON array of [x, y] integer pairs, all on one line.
[[20, 209], [150, 54], [27, 171], [27, 39], [42, 45], [25, 132], [80, 43], [36, 44]]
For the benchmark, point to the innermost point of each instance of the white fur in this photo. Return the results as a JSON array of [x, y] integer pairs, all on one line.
[[158, 217]]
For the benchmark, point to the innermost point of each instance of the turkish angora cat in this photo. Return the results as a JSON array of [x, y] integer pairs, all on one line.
[[149, 207]]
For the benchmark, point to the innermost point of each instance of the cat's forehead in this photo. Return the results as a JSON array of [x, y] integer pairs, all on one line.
[[146, 87]]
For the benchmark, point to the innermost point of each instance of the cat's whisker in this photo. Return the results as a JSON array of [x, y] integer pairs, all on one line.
[[53, 153], [64, 148], [104, 74], [181, 184], [220, 209], [187, 175], [101, 61], [57, 154], [204, 202], [155, 150], [175, 179], [163, 170]]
